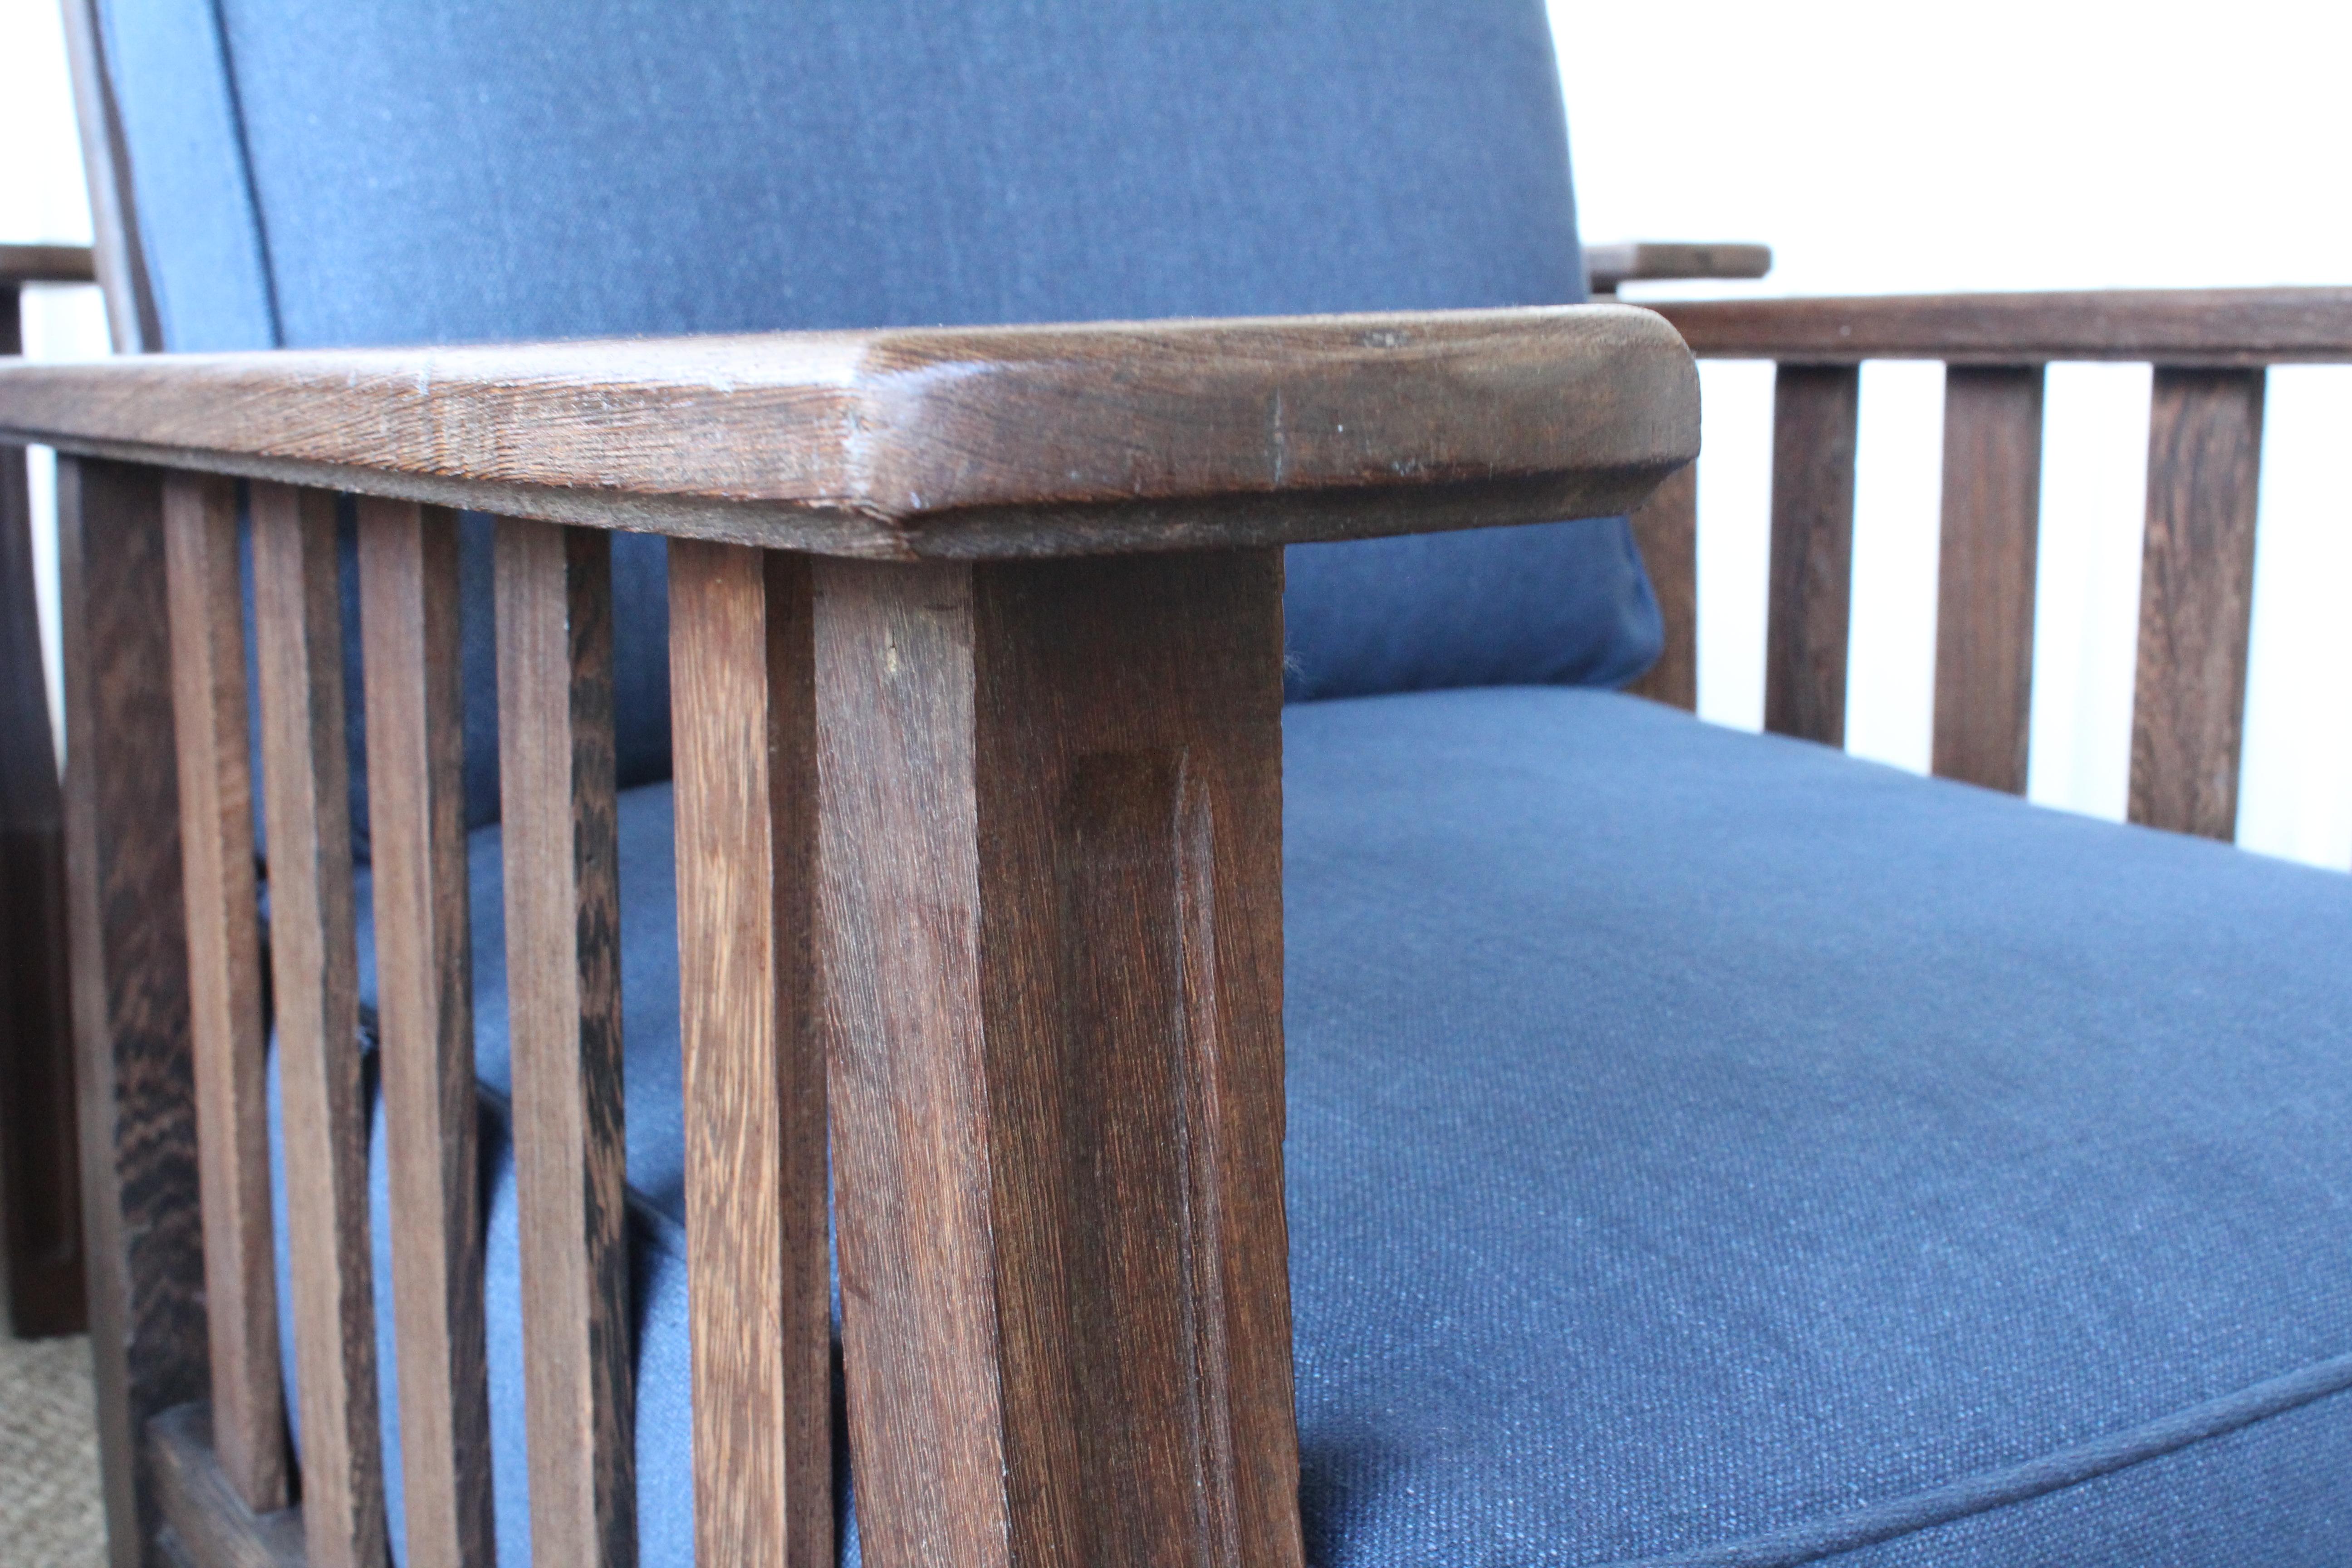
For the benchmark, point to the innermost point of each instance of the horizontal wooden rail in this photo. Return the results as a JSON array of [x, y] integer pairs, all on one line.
[[1657, 261], [969, 442], [46, 264]]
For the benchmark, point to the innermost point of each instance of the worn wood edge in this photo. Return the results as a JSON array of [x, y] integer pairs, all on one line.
[[201, 1506], [963, 443], [47, 264], [2191, 328]]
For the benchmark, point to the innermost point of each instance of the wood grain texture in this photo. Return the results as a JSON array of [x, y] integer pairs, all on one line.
[[2209, 327], [1984, 587], [556, 787], [120, 259], [2196, 599], [1651, 260], [1815, 414], [742, 694], [46, 264], [134, 1070], [966, 442], [1666, 531], [209, 1521], [1051, 859], [424, 1010], [314, 990], [224, 983], [40, 1198]]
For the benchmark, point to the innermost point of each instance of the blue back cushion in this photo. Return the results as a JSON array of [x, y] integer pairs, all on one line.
[[312, 173]]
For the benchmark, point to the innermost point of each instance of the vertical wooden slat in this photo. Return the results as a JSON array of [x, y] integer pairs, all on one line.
[[249, 1420], [1984, 588], [740, 679], [416, 816], [133, 1073], [40, 1185], [563, 974], [1050, 804], [1815, 412], [1666, 529], [2196, 598], [314, 990]]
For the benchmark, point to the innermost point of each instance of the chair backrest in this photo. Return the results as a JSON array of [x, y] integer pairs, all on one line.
[[304, 173]]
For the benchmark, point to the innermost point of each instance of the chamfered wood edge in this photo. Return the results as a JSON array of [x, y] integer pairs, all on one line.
[[2211, 328], [963, 443], [201, 1507]]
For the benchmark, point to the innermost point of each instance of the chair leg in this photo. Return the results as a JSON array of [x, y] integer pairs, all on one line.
[[1049, 803]]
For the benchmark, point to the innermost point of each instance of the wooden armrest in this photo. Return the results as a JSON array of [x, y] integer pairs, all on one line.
[[960, 443], [2214, 328], [1657, 261], [46, 264]]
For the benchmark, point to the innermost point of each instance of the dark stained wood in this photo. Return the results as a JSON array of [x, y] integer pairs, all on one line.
[[314, 990], [40, 1199], [1666, 529], [1816, 411], [424, 1009], [212, 1524], [969, 442], [1052, 927], [563, 975], [46, 264], [120, 261], [2196, 599], [224, 983], [134, 1075], [1984, 592], [1650, 261], [2208, 327], [742, 675]]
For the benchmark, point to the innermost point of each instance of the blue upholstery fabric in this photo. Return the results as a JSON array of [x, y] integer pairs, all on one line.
[[1707, 1148], [400, 172]]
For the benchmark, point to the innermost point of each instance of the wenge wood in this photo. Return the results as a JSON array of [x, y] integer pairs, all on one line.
[[1052, 940], [425, 1013], [1815, 415], [224, 983], [743, 701], [46, 264], [935, 442], [40, 1199], [133, 1071], [2196, 599], [1651, 260], [2187, 327], [314, 992], [1984, 586], [556, 789], [1666, 530], [208, 1521]]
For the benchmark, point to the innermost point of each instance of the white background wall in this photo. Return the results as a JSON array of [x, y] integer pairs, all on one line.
[[1881, 148]]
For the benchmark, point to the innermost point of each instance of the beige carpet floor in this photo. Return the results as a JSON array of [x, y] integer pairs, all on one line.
[[49, 1515]]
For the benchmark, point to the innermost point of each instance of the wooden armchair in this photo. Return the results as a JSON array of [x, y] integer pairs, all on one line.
[[40, 1168]]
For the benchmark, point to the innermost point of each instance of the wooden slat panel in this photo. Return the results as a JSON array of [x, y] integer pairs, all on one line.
[[416, 815], [1667, 532], [40, 1185], [201, 1506], [563, 975], [314, 990], [1815, 412], [741, 677], [248, 1423], [1050, 857], [2196, 599], [133, 1072], [1984, 590]]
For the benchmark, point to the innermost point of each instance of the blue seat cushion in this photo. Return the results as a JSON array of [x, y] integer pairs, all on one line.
[[1707, 1148]]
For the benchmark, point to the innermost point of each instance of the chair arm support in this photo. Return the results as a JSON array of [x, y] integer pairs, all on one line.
[[2208, 328], [964, 443], [46, 264], [1661, 261]]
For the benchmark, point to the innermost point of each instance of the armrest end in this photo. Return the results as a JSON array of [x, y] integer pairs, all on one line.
[[1647, 261]]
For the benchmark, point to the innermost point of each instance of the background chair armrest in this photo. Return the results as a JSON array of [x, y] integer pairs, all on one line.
[[957, 443], [21, 264], [1659, 262]]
